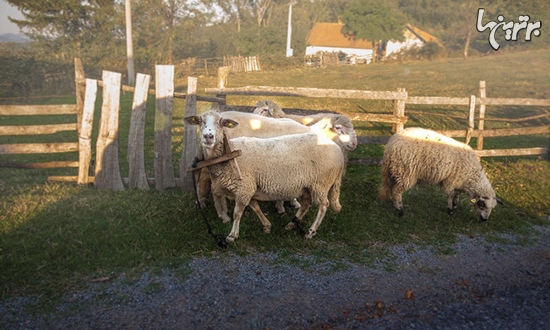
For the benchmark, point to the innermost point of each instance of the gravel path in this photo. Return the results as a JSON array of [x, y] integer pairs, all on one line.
[[483, 286]]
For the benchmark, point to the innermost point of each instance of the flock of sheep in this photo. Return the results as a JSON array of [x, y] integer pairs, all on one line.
[[285, 157]]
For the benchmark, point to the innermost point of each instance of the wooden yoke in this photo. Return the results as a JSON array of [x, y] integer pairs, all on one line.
[[230, 155]]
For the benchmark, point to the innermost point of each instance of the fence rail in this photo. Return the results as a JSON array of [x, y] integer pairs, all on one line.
[[107, 171]]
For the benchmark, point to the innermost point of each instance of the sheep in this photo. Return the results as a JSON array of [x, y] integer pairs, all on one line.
[[263, 127], [417, 155], [341, 124], [280, 168]]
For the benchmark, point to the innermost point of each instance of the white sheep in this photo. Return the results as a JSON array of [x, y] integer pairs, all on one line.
[[281, 168], [417, 155], [253, 125], [341, 124]]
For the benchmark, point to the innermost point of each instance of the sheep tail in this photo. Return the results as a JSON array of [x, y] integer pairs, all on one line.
[[387, 184]]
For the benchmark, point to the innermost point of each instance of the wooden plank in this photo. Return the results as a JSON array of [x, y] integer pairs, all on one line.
[[399, 112], [365, 161], [136, 138], [32, 110], [481, 124], [374, 117], [107, 171], [37, 148], [511, 152], [79, 75], [189, 137], [36, 129], [372, 139], [508, 101], [438, 100], [209, 162], [499, 132], [308, 92], [85, 136], [471, 119], [164, 172], [58, 164], [91, 179]]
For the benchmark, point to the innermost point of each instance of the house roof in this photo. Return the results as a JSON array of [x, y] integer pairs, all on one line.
[[330, 35]]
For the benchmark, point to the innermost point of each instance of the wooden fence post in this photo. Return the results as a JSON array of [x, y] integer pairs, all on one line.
[[164, 84], [399, 112], [471, 116], [482, 96], [136, 149], [223, 76], [85, 136], [80, 89], [189, 136], [107, 171]]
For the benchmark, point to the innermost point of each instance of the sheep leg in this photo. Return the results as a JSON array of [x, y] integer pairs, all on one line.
[[397, 198], [318, 219], [306, 203], [220, 203], [256, 208], [280, 205], [237, 214], [203, 186], [294, 202], [452, 202]]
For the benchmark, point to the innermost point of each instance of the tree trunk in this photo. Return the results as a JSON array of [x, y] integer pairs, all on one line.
[[467, 44]]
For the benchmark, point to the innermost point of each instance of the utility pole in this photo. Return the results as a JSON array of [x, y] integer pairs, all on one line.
[[289, 51], [129, 45]]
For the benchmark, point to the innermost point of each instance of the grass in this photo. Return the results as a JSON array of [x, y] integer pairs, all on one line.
[[56, 236]]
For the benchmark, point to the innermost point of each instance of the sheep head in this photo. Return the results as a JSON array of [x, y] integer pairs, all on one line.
[[211, 127], [268, 108], [337, 128]]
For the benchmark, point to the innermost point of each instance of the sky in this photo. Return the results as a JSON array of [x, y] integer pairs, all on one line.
[[5, 25]]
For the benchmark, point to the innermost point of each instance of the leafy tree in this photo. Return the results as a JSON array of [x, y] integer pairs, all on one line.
[[374, 20]]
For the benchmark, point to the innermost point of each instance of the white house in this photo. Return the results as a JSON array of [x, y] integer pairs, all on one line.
[[327, 37]]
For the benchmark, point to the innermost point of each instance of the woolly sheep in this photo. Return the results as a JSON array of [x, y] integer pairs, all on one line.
[[263, 127], [417, 155], [281, 168], [341, 124]]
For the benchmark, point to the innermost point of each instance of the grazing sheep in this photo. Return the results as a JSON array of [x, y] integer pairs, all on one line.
[[253, 125], [341, 124], [280, 168], [417, 155]]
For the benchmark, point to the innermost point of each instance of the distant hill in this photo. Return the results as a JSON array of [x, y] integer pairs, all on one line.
[[12, 37]]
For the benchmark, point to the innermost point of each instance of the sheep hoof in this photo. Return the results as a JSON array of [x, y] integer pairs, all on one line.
[[225, 218], [230, 238], [310, 234], [290, 226], [267, 229], [281, 210], [450, 211], [296, 204], [400, 213]]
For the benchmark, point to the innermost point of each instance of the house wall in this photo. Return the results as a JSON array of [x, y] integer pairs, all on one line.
[[311, 50], [410, 41]]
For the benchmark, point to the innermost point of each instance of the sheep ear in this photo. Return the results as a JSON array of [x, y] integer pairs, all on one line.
[[228, 123], [194, 120], [473, 200]]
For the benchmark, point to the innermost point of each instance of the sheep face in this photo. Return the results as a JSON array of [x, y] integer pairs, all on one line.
[[268, 108], [339, 129], [484, 206], [211, 127]]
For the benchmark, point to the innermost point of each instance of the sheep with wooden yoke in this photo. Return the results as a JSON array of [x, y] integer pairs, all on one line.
[[417, 155], [253, 125], [307, 165], [341, 124]]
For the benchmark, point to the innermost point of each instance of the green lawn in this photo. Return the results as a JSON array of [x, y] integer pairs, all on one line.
[[54, 236]]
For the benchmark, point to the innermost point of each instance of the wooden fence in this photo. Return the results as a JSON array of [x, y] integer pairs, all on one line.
[[398, 118], [107, 172], [242, 64]]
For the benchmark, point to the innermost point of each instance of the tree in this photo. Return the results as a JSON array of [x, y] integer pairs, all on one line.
[[375, 20]]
